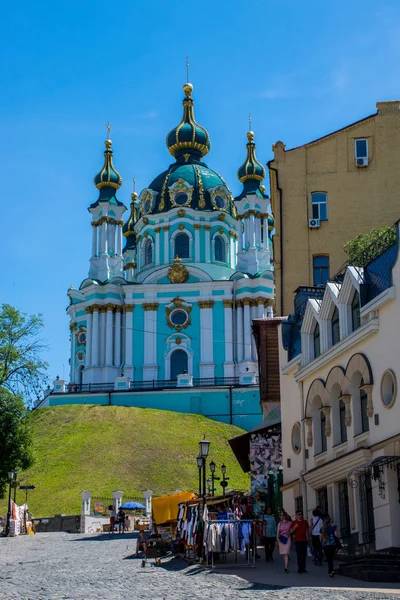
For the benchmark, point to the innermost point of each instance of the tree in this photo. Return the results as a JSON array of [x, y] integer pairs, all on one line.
[[15, 438], [22, 370], [367, 246]]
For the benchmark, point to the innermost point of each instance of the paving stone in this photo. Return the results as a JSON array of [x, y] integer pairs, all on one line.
[[81, 567]]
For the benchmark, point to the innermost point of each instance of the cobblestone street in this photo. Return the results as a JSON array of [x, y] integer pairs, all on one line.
[[78, 567]]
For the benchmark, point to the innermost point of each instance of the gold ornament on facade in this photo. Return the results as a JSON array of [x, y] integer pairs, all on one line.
[[206, 303], [157, 229], [178, 341], [72, 325], [109, 307], [180, 187], [207, 227], [128, 308], [178, 273], [232, 234], [181, 227], [178, 303], [246, 301], [164, 187], [197, 226], [228, 303], [129, 265], [166, 227], [146, 234], [221, 217], [220, 231], [145, 221], [181, 212], [202, 201], [150, 306]]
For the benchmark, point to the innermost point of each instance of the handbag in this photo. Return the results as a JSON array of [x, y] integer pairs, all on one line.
[[283, 539]]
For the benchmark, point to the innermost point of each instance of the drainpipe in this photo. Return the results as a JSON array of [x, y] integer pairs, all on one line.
[[230, 405], [303, 454], [281, 226], [109, 398]]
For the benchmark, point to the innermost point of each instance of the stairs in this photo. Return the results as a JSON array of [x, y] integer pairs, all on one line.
[[373, 567]]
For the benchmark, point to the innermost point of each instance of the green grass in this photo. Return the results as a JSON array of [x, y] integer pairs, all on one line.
[[105, 448]]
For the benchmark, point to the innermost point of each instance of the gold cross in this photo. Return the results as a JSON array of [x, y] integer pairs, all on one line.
[[108, 129], [187, 69]]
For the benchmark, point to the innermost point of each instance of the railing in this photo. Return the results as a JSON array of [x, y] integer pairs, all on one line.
[[160, 384]]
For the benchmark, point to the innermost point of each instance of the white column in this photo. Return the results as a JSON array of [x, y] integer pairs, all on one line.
[[253, 315], [109, 335], [157, 243], [95, 336], [257, 225], [111, 238], [94, 241], [150, 367], [232, 250], [117, 337], [265, 227], [117, 499], [166, 244], [260, 308], [102, 336], [252, 230], [229, 367], [246, 328], [103, 238], [239, 331], [147, 496], [119, 240], [72, 353], [207, 242], [86, 502], [206, 339], [128, 340], [197, 243], [88, 356]]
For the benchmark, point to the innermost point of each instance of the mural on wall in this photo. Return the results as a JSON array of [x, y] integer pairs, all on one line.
[[265, 456]]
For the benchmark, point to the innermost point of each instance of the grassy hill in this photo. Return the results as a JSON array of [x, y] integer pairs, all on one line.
[[105, 448]]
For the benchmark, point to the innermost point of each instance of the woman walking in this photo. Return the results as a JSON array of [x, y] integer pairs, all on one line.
[[283, 537], [328, 537], [316, 523]]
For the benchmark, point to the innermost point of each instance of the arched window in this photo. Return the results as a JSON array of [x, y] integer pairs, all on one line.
[[355, 311], [148, 252], [219, 249], [335, 327], [317, 342], [363, 409], [342, 421], [179, 363], [323, 431], [182, 245]]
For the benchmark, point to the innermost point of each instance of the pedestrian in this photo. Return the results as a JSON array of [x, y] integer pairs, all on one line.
[[284, 539], [141, 545], [301, 531], [328, 538], [316, 523], [269, 534], [112, 518], [121, 521]]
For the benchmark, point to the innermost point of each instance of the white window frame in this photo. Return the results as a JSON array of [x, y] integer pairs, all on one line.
[[355, 147], [319, 204]]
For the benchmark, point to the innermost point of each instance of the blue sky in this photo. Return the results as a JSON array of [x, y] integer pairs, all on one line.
[[302, 69]]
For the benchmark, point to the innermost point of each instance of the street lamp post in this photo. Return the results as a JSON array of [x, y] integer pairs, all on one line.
[[199, 460], [15, 484], [204, 446], [225, 479], [213, 476], [10, 480]]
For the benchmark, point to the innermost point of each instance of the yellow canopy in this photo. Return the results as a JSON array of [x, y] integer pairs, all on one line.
[[165, 508]]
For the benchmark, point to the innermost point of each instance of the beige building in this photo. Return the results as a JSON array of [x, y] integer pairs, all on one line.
[[339, 361], [326, 192]]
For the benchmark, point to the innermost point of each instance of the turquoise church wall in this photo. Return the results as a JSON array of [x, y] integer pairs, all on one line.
[[219, 338], [243, 409]]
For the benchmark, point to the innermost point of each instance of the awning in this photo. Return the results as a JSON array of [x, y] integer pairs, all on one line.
[[382, 461], [165, 508]]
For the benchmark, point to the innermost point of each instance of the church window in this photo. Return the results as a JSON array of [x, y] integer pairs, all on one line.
[[319, 205], [182, 246], [220, 201], [320, 269], [82, 337], [181, 198], [148, 252], [355, 311], [179, 317], [335, 327], [179, 363], [219, 249], [317, 342]]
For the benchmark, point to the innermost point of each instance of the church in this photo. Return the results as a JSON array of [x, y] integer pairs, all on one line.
[[164, 318]]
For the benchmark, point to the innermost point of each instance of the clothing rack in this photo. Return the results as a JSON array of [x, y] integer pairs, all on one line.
[[250, 549]]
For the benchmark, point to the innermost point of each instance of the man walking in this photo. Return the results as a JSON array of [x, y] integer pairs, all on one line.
[[301, 530]]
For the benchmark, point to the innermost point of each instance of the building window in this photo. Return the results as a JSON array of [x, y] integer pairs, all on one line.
[[342, 421], [335, 327], [179, 317], [219, 249], [148, 252], [322, 499], [296, 438], [182, 245], [319, 205], [317, 341], [388, 389], [363, 409], [321, 269], [179, 363], [355, 311], [361, 152], [323, 432]]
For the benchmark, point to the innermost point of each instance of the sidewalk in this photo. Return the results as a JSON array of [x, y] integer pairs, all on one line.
[[272, 573]]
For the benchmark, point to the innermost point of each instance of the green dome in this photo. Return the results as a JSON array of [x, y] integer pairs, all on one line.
[[188, 137], [108, 176], [128, 229], [251, 168], [187, 185]]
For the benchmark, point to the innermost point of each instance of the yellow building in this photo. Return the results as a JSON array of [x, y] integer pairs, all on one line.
[[326, 192]]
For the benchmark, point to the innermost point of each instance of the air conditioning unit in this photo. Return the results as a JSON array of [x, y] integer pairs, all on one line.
[[313, 223], [362, 162]]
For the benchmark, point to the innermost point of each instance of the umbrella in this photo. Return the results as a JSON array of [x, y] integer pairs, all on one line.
[[132, 506]]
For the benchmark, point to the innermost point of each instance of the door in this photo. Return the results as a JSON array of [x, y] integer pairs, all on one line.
[[367, 510], [179, 363], [322, 499], [344, 512]]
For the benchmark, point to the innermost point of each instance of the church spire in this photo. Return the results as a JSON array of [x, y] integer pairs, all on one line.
[[108, 180], [251, 173]]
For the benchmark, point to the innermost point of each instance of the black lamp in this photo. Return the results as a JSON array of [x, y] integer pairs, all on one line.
[[204, 447]]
